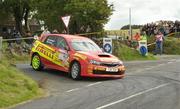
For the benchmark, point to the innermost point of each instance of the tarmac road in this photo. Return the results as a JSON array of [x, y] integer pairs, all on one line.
[[147, 85]]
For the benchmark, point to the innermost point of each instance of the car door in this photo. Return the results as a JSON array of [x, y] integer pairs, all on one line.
[[49, 48], [62, 54]]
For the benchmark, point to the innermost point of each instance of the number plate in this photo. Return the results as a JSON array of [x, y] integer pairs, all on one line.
[[112, 69]]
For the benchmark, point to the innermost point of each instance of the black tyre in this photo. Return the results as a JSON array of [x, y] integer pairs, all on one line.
[[75, 71]]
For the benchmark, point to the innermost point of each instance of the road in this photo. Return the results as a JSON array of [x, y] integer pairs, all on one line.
[[147, 85]]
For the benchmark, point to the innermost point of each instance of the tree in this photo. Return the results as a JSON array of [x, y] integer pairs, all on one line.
[[50, 12], [20, 9], [125, 27], [86, 15], [3, 13]]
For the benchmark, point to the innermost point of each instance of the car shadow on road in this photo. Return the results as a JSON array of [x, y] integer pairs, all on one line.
[[65, 75]]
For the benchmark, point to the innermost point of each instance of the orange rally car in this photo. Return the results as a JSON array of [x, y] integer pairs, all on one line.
[[78, 56]]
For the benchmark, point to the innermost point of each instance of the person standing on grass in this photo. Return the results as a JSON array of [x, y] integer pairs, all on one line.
[[159, 43], [143, 36], [137, 37]]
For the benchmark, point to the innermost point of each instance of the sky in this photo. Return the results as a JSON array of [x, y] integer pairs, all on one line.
[[142, 12]]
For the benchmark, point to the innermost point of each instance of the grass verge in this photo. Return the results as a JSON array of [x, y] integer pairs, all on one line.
[[15, 87], [124, 52], [171, 46], [15, 58]]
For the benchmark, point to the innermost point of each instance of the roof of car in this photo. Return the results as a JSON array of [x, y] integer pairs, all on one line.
[[68, 36]]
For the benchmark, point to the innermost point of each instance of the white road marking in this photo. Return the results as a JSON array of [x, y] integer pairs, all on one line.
[[170, 62], [93, 84], [173, 59], [177, 60], [149, 68], [137, 94], [160, 64], [140, 70], [73, 90]]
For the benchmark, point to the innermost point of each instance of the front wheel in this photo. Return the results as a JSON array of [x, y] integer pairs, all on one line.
[[75, 71], [36, 63]]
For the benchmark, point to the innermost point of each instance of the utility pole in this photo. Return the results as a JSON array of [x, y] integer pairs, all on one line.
[[130, 28]]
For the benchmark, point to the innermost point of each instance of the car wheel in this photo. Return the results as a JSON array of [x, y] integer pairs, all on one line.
[[75, 71], [36, 63]]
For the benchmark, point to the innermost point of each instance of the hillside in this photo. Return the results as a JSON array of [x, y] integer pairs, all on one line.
[[15, 87], [124, 52]]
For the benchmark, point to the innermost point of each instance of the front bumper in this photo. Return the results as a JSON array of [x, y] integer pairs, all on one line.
[[101, 71]]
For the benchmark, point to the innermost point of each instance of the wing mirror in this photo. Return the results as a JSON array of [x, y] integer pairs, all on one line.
[[102, 49], [36, 37]]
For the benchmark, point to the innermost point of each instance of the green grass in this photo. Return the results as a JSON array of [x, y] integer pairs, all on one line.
[[123, 33], [172, 46], [15, 56], [177, 34], [15, 87], [126, 53]]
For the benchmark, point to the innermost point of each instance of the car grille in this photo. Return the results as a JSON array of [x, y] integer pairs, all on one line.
[[110, 64], [107, 73]]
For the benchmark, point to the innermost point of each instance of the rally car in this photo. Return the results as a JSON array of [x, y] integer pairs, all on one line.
[[76, 55]]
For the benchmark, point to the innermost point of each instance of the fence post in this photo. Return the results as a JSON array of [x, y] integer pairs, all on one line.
[[1, 40]]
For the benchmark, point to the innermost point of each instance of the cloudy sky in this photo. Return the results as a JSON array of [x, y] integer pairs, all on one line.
[[143, 11]]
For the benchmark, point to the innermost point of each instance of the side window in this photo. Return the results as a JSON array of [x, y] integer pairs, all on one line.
[[51, 40], [61, 43]]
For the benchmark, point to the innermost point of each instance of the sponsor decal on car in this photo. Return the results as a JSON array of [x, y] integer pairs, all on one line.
[[52, 55], [83, 57], [46, 52]]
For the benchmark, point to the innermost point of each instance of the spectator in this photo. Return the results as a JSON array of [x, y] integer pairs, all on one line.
[[143, 36], [17, 35], [166, 27], [159, 43], [137, 37], [134, 42]]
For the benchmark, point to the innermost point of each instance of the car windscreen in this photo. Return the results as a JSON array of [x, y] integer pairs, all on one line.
[[85, 45]]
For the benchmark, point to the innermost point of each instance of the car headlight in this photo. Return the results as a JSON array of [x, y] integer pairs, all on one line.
[[120, 63], [95, 62]]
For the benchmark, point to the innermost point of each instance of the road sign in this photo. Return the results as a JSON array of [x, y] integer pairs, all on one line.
[[143, 50], [66, 20], [107, 45], [143, 47]]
